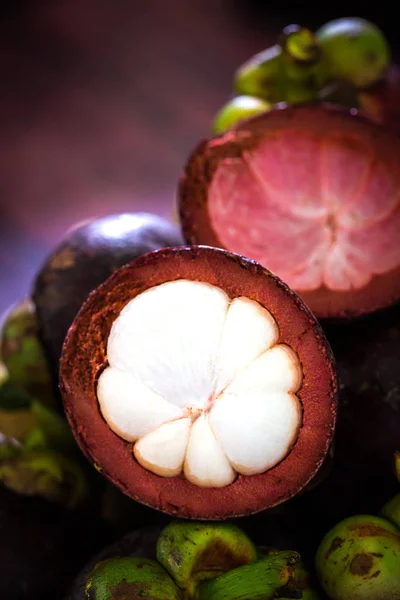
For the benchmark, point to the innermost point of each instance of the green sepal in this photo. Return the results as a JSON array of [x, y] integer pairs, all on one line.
[[45, 473], [265, 579], [193, 551]]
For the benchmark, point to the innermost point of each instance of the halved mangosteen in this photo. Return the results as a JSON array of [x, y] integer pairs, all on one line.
[[312, 193], [200, 384]]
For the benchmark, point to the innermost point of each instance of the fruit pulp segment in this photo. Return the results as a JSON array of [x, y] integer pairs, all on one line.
[[201, 384], [317, 209]]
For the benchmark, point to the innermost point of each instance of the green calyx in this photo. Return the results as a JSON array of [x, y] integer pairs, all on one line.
[[355, 49], [238, 109], [42, 472], [344, 56], [261, 76], [300, 44], [203, 561], [129, 578], [9, 448], [301, 580], [192, 552], [276, 76], [38, 453], [16, 416], [267, 578], [22, 353], [21, 415], [359, 559]]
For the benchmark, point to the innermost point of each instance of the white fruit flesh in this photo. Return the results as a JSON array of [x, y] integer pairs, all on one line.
[[200, 383]]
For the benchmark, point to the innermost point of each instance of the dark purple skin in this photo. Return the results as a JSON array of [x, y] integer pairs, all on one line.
[[367, 435], [85, 258]]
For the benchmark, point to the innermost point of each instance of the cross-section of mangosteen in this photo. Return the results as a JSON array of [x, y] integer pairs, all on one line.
[[312, 193], [200, 384], [87, 255]]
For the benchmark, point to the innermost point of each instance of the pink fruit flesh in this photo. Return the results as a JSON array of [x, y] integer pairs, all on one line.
[[318, 209]]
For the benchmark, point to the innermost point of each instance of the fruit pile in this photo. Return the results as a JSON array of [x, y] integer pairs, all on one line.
[[195, 561], [357, 559], [222, 369]]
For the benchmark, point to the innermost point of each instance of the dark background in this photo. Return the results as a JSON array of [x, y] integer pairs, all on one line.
[[101, 101]]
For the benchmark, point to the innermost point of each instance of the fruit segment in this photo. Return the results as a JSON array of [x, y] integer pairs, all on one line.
[[248, 320], [208, 467], [168, 337], [199, 381], [277, 368], [134, 409], [258, 437], [163, 449]]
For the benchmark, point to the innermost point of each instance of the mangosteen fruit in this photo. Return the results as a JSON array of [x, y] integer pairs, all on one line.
[[85, 258], [312, 193], [359, 559], [200, 384]]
